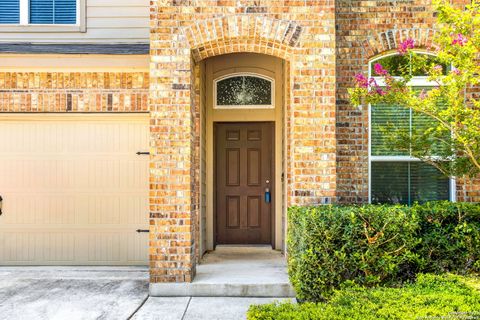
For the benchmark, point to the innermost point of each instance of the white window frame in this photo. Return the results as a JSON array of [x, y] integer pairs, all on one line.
[[239, 74], [25, 26], [419, 81]]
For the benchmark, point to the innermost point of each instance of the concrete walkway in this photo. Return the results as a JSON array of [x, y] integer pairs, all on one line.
[[232, 271], [117, 293], [198, 308], [71, 292]]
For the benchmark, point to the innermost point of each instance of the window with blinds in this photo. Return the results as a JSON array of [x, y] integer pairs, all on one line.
[[406, 182], [395, 176], [386, 117], [400, 121], [9, 11], [39, 12], [53, 11]]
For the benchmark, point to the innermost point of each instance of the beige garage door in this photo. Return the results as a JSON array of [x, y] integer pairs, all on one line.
[[74, 190]]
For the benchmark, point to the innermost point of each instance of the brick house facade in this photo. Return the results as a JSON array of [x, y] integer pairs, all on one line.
[[320, 44]]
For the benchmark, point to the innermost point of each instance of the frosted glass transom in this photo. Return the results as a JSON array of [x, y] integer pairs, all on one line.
[[244, 91]]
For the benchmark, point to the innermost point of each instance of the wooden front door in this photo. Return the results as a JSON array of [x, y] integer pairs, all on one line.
[[244, 170]]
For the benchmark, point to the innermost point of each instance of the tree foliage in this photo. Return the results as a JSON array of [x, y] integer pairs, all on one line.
[[451, 140]]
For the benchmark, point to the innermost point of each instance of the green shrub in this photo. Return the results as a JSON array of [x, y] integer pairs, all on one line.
[[450, 234], [333, 245], [447, 296], [330, 247]]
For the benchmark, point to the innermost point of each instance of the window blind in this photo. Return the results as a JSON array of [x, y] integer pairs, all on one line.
[[388, 117], [420, 122], [53, 11], [402, 121], [9, 11], [389, 182], [407, 182], [427, 183]]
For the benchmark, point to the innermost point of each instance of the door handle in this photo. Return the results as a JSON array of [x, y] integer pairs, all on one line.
[[142, 230], [1, 204], [268, 197]]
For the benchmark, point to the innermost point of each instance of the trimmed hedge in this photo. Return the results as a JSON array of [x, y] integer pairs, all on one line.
[[335, 246], [446, 297], [450, 235]]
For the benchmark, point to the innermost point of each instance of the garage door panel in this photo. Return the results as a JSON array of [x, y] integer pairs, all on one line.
[[62, 137], [67, 248], [136, 246], [77, 187], [72, 174], [56, 247], [37, 209], [104, 246], [17, 247], [104, 210], [124, 210]]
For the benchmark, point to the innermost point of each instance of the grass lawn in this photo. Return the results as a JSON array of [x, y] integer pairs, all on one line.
[[430, 297]]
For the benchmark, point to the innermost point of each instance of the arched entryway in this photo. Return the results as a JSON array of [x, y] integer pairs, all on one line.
[[242, 139], [181, 43]]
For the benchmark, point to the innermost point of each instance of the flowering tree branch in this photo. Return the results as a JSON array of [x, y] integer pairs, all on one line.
[[451, 139]]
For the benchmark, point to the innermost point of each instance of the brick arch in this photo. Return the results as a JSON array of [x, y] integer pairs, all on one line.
[[243, 33], [385, 41]]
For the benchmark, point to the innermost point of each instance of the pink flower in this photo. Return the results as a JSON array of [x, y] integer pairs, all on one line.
[[361, 80], [460, 39], [422, 95], [456, 71], [364, 82], [373, 83], [380, 70], [405, 46], [438, 68], [380, 91]]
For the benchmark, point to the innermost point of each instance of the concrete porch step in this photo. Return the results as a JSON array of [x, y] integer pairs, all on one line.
[[234, 272]]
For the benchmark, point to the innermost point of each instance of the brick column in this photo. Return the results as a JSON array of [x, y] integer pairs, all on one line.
[[172, 208], [313, 154]]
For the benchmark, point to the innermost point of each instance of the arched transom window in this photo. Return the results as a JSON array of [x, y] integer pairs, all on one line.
[[243, 90], [396, 176]]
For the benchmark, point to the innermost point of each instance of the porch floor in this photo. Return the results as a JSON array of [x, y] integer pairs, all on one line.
[[232, 271]]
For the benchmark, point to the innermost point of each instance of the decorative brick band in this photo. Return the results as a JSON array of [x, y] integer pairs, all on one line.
[[74, 91], [390, 39]]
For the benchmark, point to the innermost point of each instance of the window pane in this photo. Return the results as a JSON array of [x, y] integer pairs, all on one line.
[[65, 11], [390, 182], [53, 11], [385, 118], [41, 11], [428, 183], [398, 65], [393, 64], [407, 182], [420, 123], [9, 11], [244, 90]]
